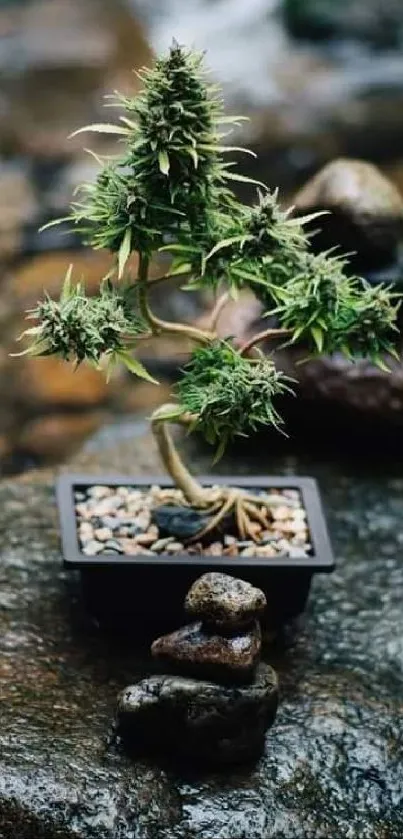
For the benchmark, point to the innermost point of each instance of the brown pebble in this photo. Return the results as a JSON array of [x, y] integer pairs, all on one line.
[[130, 547], [103, 534], [145, 539], [215, 549]]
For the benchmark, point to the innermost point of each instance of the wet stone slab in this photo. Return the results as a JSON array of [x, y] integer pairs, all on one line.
[[333, 763]]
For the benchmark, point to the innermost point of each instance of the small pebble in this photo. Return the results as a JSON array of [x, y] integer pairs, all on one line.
[[119, 520], [145, 539], [161, 544], [297, 553], [174, 547], [114, 545], [215, 549], [143, 520], [281, 513], [100, 492], [93, 547], [103, 534], [130, 547]]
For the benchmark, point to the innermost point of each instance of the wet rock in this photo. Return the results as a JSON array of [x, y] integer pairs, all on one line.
[[181, 522], [193, 650], [378, 22], [365, 213], [226, 724], [223, 601], [331, 764]]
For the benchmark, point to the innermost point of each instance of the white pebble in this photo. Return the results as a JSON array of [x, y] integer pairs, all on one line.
[[103, 534], [92, 548]]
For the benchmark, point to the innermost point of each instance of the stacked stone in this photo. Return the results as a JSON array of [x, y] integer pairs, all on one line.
[[218, 699]]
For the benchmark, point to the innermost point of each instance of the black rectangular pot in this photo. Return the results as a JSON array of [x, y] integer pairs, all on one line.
[[128, 592]]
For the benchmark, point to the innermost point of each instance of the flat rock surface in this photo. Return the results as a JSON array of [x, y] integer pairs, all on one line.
[[332, 765]]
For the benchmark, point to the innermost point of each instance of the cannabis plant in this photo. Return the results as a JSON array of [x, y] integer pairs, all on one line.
[[169, 189]]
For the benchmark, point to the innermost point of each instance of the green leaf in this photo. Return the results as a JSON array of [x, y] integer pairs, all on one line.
[[163, 162], [230, 119], [183, 268], [243, 179], [220, 450], [124, 252], [225, 243], [66, 288], [317, 335], [101, 128], [54, 223], [193, 154], [135, 366], [167, 413], [300, 220], [36, 349]]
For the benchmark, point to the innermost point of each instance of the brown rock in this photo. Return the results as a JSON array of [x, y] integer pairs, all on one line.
[[72, 52], [194, 651], [224, 601], [46, 382], [55, 437], [46, 272], [366, 212]]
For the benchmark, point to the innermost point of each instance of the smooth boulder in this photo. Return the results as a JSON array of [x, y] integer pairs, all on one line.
[[364, 213]]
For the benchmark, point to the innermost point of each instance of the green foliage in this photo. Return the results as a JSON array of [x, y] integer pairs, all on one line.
[[169, 189], [78, 327], [329, 311], [230, 395], [254, 246]]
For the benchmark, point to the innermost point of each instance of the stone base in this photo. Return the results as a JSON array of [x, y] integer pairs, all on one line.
[[198, 719]]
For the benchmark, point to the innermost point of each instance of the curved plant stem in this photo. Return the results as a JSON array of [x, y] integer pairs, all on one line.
[[263, 336], [158, 325], [219, 306], [192, 490]]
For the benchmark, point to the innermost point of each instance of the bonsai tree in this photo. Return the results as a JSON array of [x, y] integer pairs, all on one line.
[[169, 189]]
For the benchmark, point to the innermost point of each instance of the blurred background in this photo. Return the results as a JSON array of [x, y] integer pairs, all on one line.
[[319, 79]]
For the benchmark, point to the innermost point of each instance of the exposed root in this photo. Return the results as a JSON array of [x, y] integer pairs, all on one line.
[[251, 513]]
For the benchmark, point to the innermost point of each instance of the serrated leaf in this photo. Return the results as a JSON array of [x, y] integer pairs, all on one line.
[[163, 162], [124, 252], [135, 366], [101, 128]]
